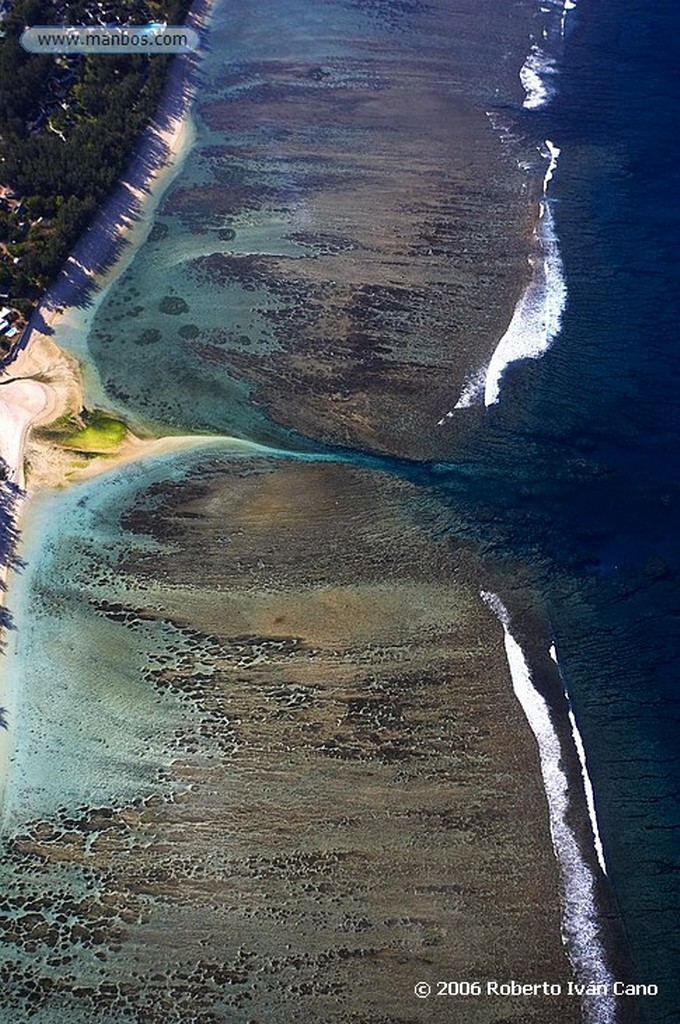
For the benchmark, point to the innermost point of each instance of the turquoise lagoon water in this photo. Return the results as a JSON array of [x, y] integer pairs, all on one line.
[[97, 733], [573, 472]]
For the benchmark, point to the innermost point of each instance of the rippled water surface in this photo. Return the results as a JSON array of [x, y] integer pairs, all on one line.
[[269, 750]]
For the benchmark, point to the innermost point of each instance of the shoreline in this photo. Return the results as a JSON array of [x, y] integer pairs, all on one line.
[[39, 403], [39, 381]]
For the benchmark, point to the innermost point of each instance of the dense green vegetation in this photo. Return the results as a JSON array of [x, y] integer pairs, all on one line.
[[92, 431], [67, 128]]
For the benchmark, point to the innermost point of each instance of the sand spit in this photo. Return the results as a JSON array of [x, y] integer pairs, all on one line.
[[40, 382]]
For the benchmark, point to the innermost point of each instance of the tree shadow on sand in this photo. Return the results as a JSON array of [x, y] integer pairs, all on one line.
[[10, 494], [105, 240]]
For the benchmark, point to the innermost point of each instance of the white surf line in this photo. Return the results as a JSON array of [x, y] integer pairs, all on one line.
[[535, 75], [530, 332], [587, 783], [554, 155], [537, 317], [565, 7], [472, 394], [568, 6], [580, 927]]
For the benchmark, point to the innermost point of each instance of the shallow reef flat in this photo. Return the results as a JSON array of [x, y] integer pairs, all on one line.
[[268, 764], [347, 239], [337, 794]]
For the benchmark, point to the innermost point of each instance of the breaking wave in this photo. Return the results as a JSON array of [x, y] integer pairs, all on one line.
[[580, 926]]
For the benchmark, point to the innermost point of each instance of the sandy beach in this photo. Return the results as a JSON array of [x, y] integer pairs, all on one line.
[[42, 382], [270, 763]]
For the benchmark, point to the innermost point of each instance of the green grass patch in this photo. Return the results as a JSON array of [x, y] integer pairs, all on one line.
[[97, 431]]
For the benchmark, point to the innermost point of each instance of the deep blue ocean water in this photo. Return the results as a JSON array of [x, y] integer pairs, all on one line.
[[595, 427], [578, 462]]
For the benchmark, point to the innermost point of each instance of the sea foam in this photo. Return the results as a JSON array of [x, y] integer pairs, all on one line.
[[535, 75], [587, 783], [580, 928], [568, 6], [537, 317]]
